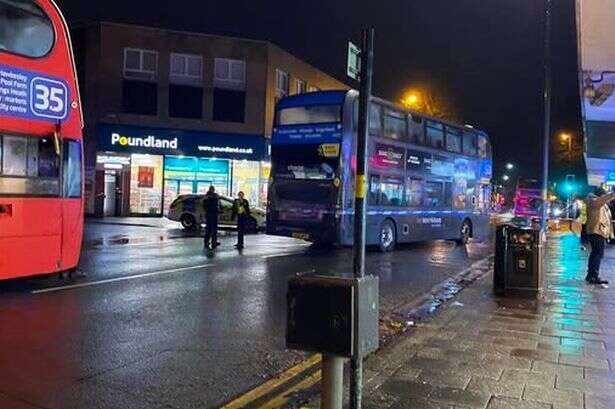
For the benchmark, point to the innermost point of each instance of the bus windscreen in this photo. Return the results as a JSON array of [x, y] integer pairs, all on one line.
[[303, 162], [310, 115], [25, 29]]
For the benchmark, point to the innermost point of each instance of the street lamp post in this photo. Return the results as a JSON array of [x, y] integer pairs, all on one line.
[[547, 124]]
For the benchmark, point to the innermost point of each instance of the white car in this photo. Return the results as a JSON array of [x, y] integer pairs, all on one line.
[[188, 210]]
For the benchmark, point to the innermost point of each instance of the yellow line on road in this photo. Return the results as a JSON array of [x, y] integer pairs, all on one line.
[[270, 385], [283, 399]]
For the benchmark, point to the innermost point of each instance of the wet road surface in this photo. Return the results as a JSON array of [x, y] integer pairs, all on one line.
[[156, 324]]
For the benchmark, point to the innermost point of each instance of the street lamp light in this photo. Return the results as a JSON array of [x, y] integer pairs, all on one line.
[[411, 99], [566, 137], [510, 166], [505, 178]]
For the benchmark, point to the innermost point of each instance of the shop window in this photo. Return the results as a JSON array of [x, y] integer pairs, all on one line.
[[375, 119], [146, 184], [246, 179], [185, 101], [140, 97], [414, 192], [395, 125], [229, 105], [391, 192], [28, 165], [435, 134], [433, 194], [25, 29], [453, 140], [469, 143]]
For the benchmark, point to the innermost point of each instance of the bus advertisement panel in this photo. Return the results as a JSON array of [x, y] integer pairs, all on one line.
[[41, 206], [428, 179]]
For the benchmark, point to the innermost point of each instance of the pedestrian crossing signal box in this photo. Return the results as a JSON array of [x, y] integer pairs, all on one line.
[[321, 315]]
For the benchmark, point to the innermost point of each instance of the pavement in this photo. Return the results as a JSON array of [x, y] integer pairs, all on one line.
[[157, 324], [493, 352]]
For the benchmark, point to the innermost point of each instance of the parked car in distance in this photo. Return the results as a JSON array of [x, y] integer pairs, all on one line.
[[188, 210]]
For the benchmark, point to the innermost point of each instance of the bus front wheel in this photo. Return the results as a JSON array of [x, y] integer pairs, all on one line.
[[388, 236]]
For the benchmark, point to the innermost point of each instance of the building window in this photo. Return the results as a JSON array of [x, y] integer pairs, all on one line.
[[140, 64], [139, 88], [229, 74], [281, 84], [186, 86], [229, 90], [300, 86], [186, 69]]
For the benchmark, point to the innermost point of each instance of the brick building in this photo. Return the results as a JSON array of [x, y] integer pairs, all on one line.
[[171, 113]]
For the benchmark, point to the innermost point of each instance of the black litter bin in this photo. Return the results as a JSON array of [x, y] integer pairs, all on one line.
[[519, 261]]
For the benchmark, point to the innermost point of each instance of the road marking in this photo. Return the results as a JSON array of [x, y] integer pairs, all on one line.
[[283, 399], [280, 255], [270, 385], [125, 278]]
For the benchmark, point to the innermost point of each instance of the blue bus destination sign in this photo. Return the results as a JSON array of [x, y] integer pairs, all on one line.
[[26, 94]]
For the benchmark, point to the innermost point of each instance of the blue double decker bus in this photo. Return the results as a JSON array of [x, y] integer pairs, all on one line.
[[428, 178]]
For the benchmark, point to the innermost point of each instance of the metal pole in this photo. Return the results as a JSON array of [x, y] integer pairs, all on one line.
[[332, 382], [367, 66], [547, 102]]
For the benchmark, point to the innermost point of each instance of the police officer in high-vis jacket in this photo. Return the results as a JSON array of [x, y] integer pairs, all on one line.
[[241, 211]]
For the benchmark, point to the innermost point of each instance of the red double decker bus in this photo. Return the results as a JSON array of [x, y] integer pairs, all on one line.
[[41, 151]]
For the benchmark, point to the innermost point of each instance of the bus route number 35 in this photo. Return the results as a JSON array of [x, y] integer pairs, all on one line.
[[49, 98]]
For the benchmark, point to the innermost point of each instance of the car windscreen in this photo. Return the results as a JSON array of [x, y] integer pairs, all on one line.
[[310, 115]]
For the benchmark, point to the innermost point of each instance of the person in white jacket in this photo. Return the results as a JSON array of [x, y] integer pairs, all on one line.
[[599, 230]]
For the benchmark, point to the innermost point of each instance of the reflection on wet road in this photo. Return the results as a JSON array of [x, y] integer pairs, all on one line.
[[157, 324]]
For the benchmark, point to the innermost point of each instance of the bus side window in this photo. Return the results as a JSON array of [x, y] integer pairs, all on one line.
[[395, 125], [374, 191], [433, 194], [435, 134], [392, 192], [414, 192], [375, 119], [453, 140], [416, 129], [469, 143]]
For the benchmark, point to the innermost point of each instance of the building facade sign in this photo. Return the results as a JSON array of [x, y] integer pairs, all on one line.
[[130, 139]]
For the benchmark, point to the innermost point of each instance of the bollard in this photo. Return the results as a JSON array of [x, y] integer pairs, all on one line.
[[332, 382]]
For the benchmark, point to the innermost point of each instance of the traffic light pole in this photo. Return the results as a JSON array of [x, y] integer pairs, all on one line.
[[547, 101], [367, 66]]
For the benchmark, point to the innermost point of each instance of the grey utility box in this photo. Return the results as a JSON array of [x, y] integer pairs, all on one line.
[[519, 261], [321, 317]]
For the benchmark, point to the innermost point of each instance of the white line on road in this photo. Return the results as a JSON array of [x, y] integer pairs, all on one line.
[[280, 255], [112, 280]]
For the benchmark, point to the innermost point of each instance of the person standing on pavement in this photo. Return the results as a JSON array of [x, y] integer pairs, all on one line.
[[599, 230], [211, 206], [241, 211]]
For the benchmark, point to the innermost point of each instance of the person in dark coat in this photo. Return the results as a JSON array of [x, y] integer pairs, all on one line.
[[241, 211], [211, 206]]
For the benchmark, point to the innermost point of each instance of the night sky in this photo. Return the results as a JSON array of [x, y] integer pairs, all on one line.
[[482, 57]]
